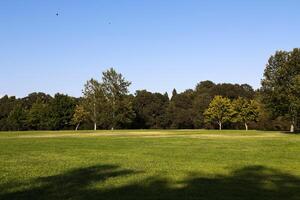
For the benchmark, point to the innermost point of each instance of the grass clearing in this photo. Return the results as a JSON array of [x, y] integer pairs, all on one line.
[[149, 164]]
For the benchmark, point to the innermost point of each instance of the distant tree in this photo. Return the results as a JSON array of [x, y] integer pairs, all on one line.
[[174, 93], [115, 88], [204, 93], [245, 111], [6, 106], [17, 118], [79, 116], [150, 109], [281, 84], [219, 111], [180, 110], [94, 100], [61, 111], [38, 116], [32, 98], [233, 91], [205, 87]]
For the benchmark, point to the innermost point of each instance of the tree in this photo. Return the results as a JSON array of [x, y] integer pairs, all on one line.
[[180, 110], [233, 91], [150, 109], [115, 88], [280, 86], [219, 111], [17, 118], [38, 116], [94, 100], [174, 93], [79, 116], [245, 111], [32, 98], [6, 106], [61, 111]]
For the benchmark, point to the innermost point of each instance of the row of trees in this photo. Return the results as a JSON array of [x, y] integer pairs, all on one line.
[[37, 111], [241, 110], [107, 104]]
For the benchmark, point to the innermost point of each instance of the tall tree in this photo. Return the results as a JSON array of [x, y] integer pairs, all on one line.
[[219, 111], [115, 88], [280, 86], [94, 100]]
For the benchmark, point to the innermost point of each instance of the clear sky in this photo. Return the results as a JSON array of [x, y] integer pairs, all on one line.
[[156, 44]]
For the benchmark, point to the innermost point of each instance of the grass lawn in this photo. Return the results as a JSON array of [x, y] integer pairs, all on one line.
[[150, 164]]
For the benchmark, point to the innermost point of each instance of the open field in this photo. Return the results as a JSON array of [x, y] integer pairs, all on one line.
[[150, 164]]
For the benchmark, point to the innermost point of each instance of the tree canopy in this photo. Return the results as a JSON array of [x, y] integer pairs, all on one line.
[[281, 83]]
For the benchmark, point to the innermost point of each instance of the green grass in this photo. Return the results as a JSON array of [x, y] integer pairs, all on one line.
[[150, 164]]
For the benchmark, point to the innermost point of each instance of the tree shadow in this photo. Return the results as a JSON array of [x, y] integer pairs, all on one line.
[[252, 182]]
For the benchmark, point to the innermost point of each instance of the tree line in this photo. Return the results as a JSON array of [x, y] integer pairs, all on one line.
[[107, 104]]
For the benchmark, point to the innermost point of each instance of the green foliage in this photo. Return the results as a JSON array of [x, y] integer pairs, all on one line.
[[245, 111], [94, 101], [150, 109], [6, 106], [61, 111], [180, 110], [219, 111], [38, 116], [115, 88], [280, 86], [79, 116], [107, 102], [17, 118]]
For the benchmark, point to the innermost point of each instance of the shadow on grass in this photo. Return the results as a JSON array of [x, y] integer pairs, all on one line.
[[253, 182]]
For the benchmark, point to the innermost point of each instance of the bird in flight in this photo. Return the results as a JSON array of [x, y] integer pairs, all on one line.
[[57, 13]]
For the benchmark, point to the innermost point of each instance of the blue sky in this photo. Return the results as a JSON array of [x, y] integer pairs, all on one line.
[[158, 45]]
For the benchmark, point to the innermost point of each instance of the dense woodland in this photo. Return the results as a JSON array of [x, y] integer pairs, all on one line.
[[107, 104]]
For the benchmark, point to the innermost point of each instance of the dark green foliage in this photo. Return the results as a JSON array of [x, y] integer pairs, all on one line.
[[38, 116], [180, 110], [16, 119], [61, 110], [150, 109], [281, 84], [32, 98], [6, 106]]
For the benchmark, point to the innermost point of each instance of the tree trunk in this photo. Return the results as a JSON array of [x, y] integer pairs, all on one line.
[[95, 126], [246, 126], [220, 125], [292, 129], [95, 115], [77, 127]]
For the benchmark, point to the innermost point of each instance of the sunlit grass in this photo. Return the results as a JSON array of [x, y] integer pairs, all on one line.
[[106, 163]]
